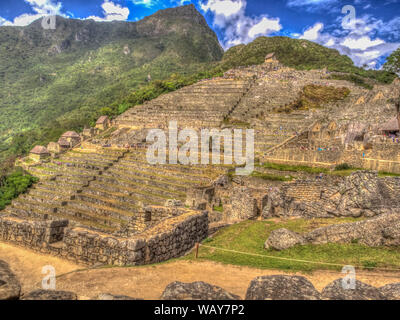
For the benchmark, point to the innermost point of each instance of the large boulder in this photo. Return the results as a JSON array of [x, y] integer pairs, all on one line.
[[336, 291], [50, 295], [281, 287], [283, 239], [10, 287], [108, 296], [391, 291], [196, 291]]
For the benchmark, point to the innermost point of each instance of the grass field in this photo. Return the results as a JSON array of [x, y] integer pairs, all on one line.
[[249, 237]]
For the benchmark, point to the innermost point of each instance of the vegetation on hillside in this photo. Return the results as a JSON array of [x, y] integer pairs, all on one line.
[[13, 185], [393, 62], [315, 96], [63, 79]]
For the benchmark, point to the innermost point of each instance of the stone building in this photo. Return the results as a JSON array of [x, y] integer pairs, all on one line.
[[103, 123], [63, 144], [72, 138], [39, 153], [54, 147], [390, 127], [88, 133], [271, 58]]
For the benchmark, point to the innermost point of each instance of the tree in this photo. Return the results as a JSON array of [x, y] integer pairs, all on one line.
[[393, 62]]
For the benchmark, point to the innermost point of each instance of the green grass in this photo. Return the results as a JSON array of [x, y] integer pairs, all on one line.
[[293, 168], [271, 177], [249, 237]]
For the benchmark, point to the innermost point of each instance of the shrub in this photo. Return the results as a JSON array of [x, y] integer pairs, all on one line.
[[13, 185], [343, 166]]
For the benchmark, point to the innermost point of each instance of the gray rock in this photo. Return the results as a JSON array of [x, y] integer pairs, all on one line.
[[50, 295], [282, 239], [196, 291], [375, 232], [391, 291], [108, 296], [362, 291], [281, 287], [10, 287]]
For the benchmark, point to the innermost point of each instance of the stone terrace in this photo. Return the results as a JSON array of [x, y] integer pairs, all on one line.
[[204, 104], [105, 188]]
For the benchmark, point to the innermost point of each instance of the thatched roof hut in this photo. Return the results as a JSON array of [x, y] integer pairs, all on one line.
[[40, 150]]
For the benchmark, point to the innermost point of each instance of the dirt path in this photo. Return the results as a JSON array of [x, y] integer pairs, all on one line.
[[148, 282]]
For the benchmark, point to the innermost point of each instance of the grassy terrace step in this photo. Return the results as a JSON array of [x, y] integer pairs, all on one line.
[[48, 195], [95, 156], [65, 184], [82, 162], [200, 170], [101, 211], [36, 207], [131, 183], [124, 209], [110, 152], [135, 190], [89, 218], [117, 172], [77, 180], [165, 169]]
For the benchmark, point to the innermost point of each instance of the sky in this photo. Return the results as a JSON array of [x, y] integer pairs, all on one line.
[[365, 30]]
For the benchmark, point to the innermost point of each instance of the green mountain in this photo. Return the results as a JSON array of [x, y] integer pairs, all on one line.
[[59, 79], [302, 55]]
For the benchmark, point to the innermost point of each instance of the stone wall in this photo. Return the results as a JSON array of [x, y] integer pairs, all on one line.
[[168, 239], [31, 233]]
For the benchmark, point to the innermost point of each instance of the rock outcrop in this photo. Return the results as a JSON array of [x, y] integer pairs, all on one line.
[[391, 291], [282, 239], [383, 230], [196, 291], [362, 194], [50, 295], [362, 291], [108, 296], [281, 287], [10, 287]]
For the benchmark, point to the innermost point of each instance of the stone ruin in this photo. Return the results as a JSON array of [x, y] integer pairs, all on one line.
[[362, 194], [100, 201]]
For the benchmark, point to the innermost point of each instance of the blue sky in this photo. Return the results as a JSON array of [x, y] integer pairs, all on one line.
[[365, 30]]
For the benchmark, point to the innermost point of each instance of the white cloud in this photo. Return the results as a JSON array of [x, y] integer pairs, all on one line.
[[359, 42], [313, 33], [230, 16], [112, 12], [41, 8], [362, 43], [264, 26]]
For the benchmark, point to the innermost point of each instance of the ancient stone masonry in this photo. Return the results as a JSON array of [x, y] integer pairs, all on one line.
[[168, 239], [361, 194]]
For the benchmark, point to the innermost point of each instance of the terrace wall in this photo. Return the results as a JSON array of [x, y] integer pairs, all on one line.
[[168, 239]]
